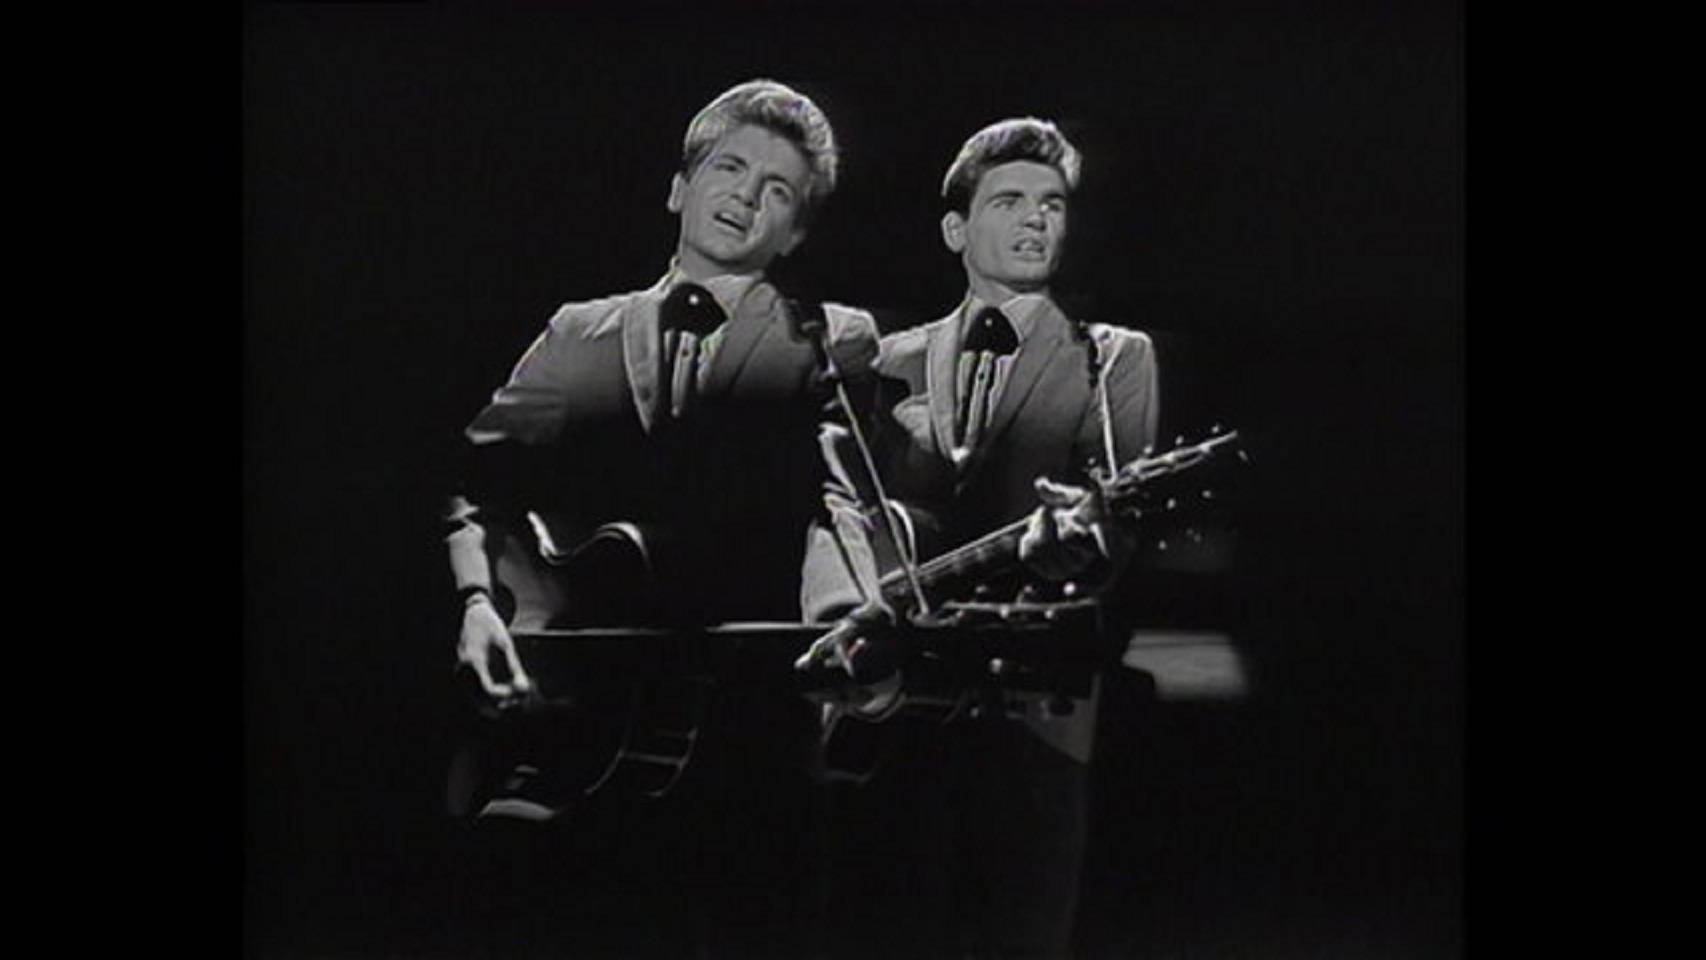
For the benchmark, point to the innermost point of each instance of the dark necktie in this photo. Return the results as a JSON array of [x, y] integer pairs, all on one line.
[[687, 315], [991, 336]]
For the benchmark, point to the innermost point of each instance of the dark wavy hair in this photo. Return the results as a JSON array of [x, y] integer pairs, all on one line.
[[1020, 138]]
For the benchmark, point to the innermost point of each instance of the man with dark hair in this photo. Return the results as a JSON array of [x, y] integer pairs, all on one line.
[[671, 434], [977, 828]]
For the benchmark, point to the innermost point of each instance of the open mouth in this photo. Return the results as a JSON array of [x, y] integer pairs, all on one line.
[[733, 223], [1030, 247]]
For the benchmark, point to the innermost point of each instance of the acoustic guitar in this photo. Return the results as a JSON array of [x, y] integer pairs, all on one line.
[[951, 646], [624, 716]]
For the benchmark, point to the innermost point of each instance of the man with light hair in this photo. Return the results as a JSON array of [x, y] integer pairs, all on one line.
[[984, 417], [661, 444]]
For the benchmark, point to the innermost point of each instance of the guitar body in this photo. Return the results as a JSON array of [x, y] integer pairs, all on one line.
[[607, 579], [577, 733]]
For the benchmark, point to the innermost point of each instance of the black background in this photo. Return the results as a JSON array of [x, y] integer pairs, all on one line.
[[1274, 192]]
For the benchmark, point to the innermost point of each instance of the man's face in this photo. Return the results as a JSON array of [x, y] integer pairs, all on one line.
[[1013, 234], [740, 207]]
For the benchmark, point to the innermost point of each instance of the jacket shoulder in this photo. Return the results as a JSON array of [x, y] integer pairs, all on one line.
[[591, 318], [905, 349], [1111, 333], [852, 337], [1116, 341]]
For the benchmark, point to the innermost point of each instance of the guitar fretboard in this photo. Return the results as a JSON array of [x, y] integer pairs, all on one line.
[[983, 555], [1000, 547]]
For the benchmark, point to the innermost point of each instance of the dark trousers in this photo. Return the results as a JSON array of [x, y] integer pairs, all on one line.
[[967, 842]]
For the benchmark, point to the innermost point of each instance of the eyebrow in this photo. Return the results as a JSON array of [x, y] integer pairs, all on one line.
[[1016, 192], [769, 176]]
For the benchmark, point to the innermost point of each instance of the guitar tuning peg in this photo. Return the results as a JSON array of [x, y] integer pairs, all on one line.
[[1179, 440], [1193, 534], [1207, 494], [1172, 503], [1161, 545]]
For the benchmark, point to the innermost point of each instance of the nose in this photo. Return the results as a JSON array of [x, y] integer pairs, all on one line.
[[1034, 217], [746, 188]]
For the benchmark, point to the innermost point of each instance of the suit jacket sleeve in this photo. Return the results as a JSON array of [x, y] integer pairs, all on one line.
[[1133, 381], [524, 414], [840, 568], [849, 545]]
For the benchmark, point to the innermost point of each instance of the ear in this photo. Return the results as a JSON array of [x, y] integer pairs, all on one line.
[[954, 231], [677, 188]]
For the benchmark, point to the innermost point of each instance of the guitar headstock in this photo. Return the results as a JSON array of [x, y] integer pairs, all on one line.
[[1176, 491], [1220, 447]]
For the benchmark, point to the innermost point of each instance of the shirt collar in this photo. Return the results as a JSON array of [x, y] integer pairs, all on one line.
[[1021, 311], [728, 289]]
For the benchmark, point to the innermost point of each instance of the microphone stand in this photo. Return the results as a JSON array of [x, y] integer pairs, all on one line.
[[815, 328]]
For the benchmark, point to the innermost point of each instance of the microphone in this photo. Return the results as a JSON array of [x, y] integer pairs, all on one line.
[[991, 331], [690, 308]]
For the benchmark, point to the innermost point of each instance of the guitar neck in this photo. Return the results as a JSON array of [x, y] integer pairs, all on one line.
[[990, 552], [999, 548]]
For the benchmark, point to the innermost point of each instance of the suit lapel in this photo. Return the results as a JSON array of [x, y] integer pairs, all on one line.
[[753, 320], [1036, 356], [640, 348], [1037, 362], [941, 353]]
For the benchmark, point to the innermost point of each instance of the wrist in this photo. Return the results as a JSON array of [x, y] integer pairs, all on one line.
[[474, 595]]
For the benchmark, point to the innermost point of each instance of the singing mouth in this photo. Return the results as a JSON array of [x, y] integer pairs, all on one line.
[[1030, 246], [732, 221]]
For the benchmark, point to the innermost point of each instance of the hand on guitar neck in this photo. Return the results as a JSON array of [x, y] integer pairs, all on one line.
[[1069, 532], [1059, 540], [1064, 537]]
